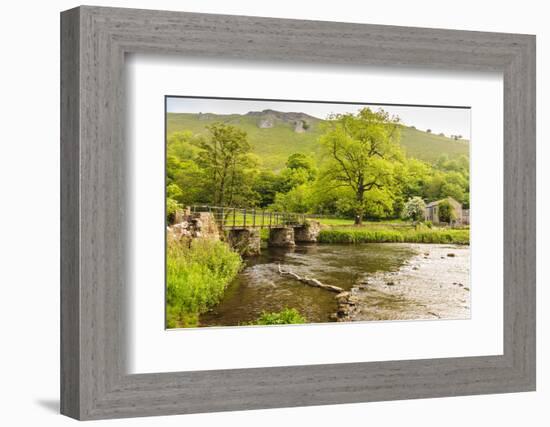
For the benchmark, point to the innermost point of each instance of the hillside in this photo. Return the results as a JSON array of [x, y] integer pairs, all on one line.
[[274, 135]]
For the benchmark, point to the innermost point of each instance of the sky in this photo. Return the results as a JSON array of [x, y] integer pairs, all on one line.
[[447, 120]]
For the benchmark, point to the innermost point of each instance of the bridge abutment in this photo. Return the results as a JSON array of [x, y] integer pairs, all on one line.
[[246, 241], [281, 237], [308, 232]]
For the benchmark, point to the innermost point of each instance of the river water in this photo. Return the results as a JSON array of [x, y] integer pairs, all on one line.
[[259, 286]]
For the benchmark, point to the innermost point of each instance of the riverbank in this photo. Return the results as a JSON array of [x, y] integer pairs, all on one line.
[[433, 284], [197, 273], [393, 234]]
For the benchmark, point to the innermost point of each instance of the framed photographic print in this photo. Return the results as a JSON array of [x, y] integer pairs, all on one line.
[[261, 213]]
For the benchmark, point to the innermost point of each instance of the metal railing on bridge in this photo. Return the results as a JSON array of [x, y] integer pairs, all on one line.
[[228, 217]]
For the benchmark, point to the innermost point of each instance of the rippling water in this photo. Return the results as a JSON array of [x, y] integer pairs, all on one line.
[[260, 287]]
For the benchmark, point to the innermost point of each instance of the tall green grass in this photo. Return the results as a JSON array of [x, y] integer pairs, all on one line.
[[196, 277], [408, 235]]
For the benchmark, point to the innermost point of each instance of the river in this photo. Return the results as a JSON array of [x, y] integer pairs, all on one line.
[[259, 286]]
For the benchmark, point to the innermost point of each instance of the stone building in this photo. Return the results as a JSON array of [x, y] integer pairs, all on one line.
[[432, 212]]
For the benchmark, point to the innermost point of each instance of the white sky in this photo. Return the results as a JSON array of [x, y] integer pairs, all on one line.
[[449, 120]]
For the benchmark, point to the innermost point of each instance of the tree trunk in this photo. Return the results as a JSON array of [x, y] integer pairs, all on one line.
[[221, 193], [359, 217], [360, 209]]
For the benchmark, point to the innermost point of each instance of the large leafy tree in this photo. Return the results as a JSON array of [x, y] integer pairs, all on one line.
[[363, 150], [223, 156], [184, 178]]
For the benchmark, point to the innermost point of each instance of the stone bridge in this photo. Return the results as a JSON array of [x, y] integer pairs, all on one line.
[[247, 240], [242, 227]]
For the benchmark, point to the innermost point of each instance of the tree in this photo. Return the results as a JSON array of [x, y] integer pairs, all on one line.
[[301, 161], [300, 169], [363, 150], [414, 208], [446, 212], [299, 200], [173, 191], [450, 189], [223, 156], [267, 184]]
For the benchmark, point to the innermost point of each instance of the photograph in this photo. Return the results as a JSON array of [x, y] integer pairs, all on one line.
[[295, 212], [286, 212]]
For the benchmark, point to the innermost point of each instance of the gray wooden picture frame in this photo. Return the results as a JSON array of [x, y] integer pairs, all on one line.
[[94, 41]]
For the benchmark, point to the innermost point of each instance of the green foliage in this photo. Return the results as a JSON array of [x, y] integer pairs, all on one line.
[[171, 207], [223, 157], [356, 235], [302, 161], [266, 185], [273, 145], [298, 200], [363, 150], [414, 208], [397, 235], [173, 191], [216, 159], [285, 317], [182, 169], [446, 212], [196, 277]]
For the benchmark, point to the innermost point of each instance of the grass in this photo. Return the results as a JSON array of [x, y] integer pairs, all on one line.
[[334, 221], [386, 234], [273, 145], [350, 222], [196, 277], [287, 316]]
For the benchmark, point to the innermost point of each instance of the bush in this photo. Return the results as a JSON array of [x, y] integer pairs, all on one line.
[[414, 209], [446, 212], [285, 317], [196, 277], [171, 207]]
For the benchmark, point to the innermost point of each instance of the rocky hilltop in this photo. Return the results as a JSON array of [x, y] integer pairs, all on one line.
[[270, 118]]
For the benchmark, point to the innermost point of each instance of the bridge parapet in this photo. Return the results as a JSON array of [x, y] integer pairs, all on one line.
[[238, 218]]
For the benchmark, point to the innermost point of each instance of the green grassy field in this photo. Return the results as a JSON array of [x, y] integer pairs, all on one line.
[[273, 145], [335, 221]]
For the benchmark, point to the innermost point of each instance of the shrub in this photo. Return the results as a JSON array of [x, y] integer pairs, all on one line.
[[196, 277], [414, 208], [285, 317], [446, 212], [171, 207]]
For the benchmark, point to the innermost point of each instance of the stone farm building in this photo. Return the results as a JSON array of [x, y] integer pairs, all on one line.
[[462, 215]]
